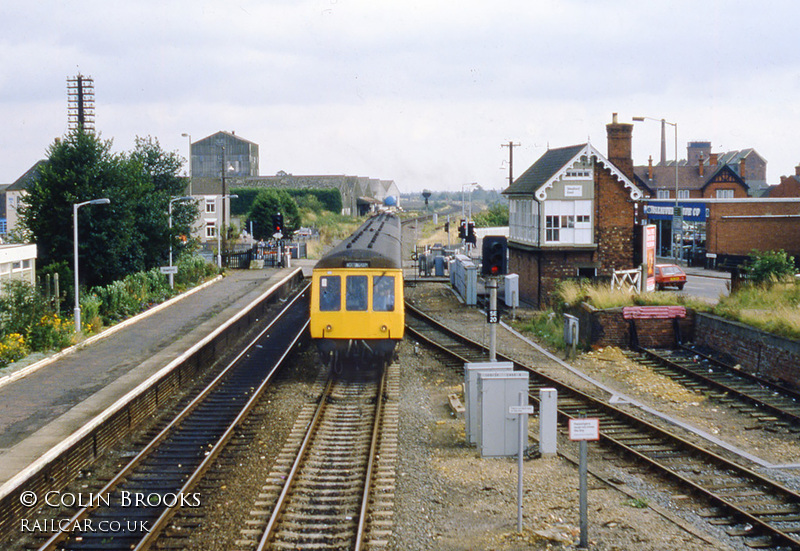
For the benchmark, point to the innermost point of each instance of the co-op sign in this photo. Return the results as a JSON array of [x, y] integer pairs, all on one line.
[[692, 212]]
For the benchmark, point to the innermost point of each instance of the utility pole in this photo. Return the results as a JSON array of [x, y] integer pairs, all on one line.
[[510, 145]]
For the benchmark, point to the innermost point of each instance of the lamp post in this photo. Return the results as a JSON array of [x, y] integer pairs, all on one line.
[[75, 207], [185, 135], [219, 230], [174, 199], [676, 218]]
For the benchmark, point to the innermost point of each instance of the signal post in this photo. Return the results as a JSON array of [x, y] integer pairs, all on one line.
[[494, 265]]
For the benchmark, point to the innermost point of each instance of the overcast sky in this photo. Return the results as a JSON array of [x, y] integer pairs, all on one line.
[[420, 92]]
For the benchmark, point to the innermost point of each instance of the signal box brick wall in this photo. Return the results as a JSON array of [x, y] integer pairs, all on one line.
[[739, 228], [757, 351], [614, 229]]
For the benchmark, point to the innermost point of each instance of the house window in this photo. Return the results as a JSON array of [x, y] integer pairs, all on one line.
[[211, 205], [211, 230], [724, 194], [552, 228], [683, 194], [662, 194]]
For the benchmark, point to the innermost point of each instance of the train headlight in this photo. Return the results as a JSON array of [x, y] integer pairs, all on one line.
[[384, 328], [328, 328]]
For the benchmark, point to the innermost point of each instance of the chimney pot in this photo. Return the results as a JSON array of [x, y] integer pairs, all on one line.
[[701, 164], [797, 170], [741, 168], [650, 168]]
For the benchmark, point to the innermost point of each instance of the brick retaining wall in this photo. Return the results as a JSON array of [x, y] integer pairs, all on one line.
[[757, 351], [600, 328]]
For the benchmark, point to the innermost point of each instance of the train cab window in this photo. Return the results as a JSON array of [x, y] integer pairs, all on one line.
[[330, 293], [383, 293], [356, 293]]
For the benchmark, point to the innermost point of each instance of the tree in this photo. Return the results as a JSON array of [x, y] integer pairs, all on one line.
[[128, 235], [267, 203]]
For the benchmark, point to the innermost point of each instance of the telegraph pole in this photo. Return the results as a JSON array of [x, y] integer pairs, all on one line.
[[510, 145]]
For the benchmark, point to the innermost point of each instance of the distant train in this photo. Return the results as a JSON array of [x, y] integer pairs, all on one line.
[[357, 313]]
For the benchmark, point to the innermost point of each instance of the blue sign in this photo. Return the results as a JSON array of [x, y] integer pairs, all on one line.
[[664, 210]]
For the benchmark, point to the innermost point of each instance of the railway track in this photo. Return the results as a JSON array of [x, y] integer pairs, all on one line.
[[135, 506], [336, 470], [773, 406], [760, 511]]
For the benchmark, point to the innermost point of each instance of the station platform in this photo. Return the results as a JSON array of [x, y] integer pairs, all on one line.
[[44, 403]]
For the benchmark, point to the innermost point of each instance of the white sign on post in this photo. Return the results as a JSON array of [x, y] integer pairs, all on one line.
[[584, 429], [169, 269], [520, 410]]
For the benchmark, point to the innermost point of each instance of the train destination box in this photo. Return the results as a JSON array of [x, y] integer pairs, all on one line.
[[472, 371], [498, 428]]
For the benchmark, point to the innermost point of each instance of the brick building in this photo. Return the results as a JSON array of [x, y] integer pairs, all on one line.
[[573, 214]]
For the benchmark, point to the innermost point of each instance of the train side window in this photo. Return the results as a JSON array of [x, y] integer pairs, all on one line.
[[356, 293], [330, 293], [383, 293]]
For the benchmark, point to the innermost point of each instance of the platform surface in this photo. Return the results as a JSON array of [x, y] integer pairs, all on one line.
[[41, 409]]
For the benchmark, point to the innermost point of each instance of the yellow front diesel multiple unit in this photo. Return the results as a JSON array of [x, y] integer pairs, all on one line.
[[357, 314]]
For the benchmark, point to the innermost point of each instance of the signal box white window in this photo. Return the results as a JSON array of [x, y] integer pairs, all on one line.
[[568, 222]]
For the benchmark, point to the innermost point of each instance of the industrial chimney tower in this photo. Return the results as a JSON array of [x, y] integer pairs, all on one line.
[[80, 103]]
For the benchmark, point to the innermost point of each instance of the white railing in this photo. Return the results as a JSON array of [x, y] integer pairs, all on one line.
[[629, 280]]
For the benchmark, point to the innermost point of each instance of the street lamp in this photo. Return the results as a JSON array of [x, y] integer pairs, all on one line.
[[675, 215], [219, 230], [185, 135], [174, 199], [75, 207]]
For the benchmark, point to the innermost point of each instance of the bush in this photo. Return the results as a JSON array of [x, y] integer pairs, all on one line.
[[769, 267], [12, 348], [193, 270], [24, 312]]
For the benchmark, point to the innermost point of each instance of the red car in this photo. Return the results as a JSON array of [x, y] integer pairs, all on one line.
[[669, 275]]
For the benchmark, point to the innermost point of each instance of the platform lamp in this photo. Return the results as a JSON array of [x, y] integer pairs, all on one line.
[[675, 214], [75, 207]]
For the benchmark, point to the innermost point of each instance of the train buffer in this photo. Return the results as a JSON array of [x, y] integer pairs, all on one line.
[[633, 313]]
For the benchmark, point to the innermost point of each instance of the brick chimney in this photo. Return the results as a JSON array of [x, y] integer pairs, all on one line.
[[650, 168], [797, 170], [701, 165], [741, 168], [712, 159], [619, 146]]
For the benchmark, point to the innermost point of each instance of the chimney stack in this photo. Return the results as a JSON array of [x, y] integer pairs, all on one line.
[[741, 168], [650, 168], [712, 160], [619, 145], [797, 170], [701, 165]]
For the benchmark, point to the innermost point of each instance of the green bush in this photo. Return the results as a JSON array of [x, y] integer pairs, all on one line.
[[769, 267], [193, 270], [24, 312], [12, 348]]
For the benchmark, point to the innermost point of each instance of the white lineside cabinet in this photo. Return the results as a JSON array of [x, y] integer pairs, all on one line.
[[498, 430], [472, 371]]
